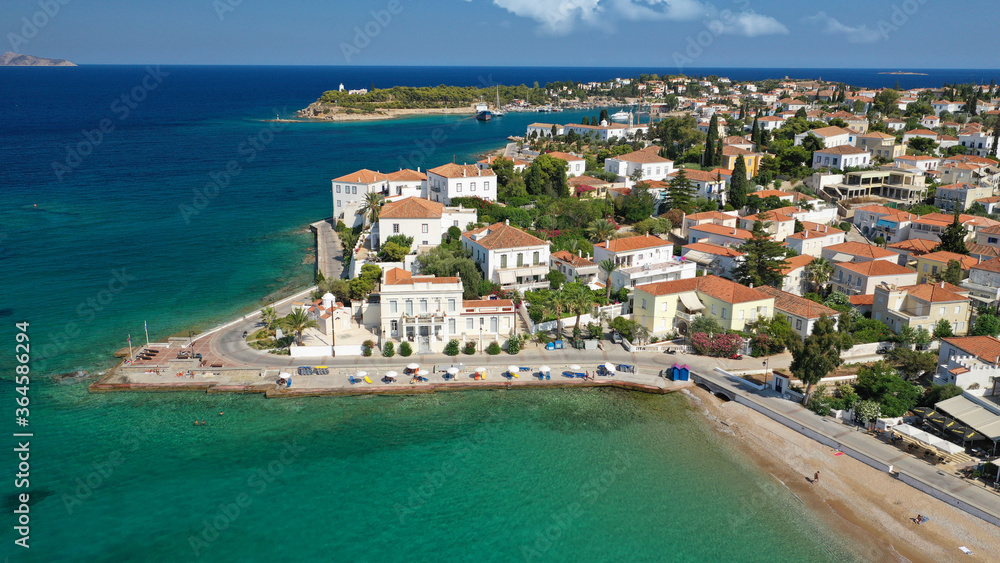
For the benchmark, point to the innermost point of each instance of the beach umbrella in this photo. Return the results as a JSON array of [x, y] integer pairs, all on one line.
[[574, 367], [480, 370], [423, 373], [609, 366], [390, 374], [905, 429], [545, 369], [923, 411], [512, 369], [362, 373], [452, 371], [936, 418], [412, 366]]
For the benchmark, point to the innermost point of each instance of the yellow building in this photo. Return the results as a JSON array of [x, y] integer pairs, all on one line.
[[932, 265], [668, 306], [922, 306], [751, 159]]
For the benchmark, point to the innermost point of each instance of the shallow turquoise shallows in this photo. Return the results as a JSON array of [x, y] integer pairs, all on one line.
[[561, 475]]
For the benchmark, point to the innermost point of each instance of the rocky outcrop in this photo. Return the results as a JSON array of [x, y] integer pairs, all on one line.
[[13, 59]]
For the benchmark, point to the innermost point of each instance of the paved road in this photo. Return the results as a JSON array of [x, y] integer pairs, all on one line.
[[329, 254]]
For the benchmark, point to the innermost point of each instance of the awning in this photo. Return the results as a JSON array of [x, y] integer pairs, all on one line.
[[506, 277], [841, 257], [699, 257], [972, 415], [691, 302]]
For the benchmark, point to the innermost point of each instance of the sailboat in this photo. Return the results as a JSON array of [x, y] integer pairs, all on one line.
[[497, 112]]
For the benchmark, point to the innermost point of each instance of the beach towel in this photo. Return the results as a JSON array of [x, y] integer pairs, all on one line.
[[965, 550]]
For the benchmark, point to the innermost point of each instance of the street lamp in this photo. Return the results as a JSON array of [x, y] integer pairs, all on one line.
[[190, 338], [765, 363]]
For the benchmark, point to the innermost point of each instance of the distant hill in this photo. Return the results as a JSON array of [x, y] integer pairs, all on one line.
[[13, 59]]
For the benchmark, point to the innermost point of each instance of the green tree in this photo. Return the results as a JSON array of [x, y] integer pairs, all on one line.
[[547, 176], [885, 102], [943, 329], [608, 266], [953, 273], [986, 324], [819, 354], [637, 205], [601, 230], [706, 324], [514, 344], [444, 261], [763, 259], [938, 393], [451, 348], [953, 237], [493, 349], [818, 272], [556, 279], [388, 350], [268, 315], [405, 349], [708, 157], [913, 364], [739, 185], [297, 321], [880, 382], [603, 117], [681, 192], [392, 252], [504, 169], [371, 206]]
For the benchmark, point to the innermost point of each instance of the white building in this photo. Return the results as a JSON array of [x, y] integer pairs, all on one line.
[[972, 363], [923, 163], [984, 282], [575, 165], [349, 192], [710, 186], [544, 129], [648, 160], [642, 259], [831, 136], [428, 311], [406, 183], [509, 256], [841, 156], [424, 221], [977, 142], [461, 180], [576, 267], [814, 238]]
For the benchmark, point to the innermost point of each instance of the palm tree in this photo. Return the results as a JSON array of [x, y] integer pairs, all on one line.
[[297, 321], [607, 266], [268, 315], [559, 302], [371, 206], [580, 299], [601, 229], [819, 271]]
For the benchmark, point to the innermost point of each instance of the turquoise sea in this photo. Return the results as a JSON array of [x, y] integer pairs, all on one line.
[[97, 237]]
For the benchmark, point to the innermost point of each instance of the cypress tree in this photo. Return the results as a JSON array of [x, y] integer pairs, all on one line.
[[739, 185], [755, 132], [953, 237], [708, 158], [718, 155]]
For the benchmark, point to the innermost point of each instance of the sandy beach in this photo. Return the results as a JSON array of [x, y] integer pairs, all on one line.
[[856, 500]]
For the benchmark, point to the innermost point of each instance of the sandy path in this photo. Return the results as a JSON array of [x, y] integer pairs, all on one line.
[[856, 500]]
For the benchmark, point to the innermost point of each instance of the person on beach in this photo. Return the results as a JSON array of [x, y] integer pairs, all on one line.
[[920, 519], [816, 478]]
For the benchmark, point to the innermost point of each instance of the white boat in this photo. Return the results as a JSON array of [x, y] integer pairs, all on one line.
[[621, 116]]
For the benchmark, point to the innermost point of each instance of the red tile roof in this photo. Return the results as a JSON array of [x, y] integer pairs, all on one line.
[[986, 348], [639, 242], [363, 176], [713, 286], [795, 305], [796, 262], [452, 170], [722, 230], [572, 259], [502, 235], [876, 268], [717, 250], [937, 292], [412, 208], [946, 257], [861, 249]]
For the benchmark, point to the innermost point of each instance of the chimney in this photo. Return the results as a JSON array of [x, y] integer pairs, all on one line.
[[464, 174], [506, 221], [607, 244], [942, 285], [734, 231]]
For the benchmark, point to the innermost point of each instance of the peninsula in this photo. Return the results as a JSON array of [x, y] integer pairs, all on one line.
[[11, 58]]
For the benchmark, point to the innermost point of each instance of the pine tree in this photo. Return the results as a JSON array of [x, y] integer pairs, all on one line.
[[713, 135], [755, 132], [819, 354], [739, 185], [718, 155], [953, 237], [763, 259], [681, 192], [996, 138]]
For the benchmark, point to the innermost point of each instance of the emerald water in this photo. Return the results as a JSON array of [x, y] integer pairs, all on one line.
[[560, 475]]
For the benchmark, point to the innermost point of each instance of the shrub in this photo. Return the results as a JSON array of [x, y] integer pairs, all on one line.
[[719, 346], [514, 344], [405, 349], [451, 348], [469, 349], [845, 226], [366, 347], [388, 350], [594, 331], [765, 345], [493, 349]]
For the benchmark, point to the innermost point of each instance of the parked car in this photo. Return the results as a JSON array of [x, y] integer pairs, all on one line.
[[616, 338]]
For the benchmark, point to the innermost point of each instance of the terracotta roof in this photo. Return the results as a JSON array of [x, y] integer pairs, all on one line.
[[363, 176], [861, 249], [924, 132], [399, 276], [945, 257], [412, 208], [585, 180], [937, 292], [992, 265], [916, 246], [874, 268], [710, 215], [859, 300], [502, 235], [572, 259], [714, 249], [638, 242], [713, 286], [830, 131], [484, 303], [697, 175], [877, 135], [917, 157], [722, 230], [958, 186], [983, 250], [767, 193], [843, 149], [971, 158], [491, 159], [452, 170], [564, 156], [877, 209], [795, 305], [796, 262], [986, 348], [406, 175], [812, 233], [768, 216]]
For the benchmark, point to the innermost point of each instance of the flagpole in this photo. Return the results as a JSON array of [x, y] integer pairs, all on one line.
[[146, 327]]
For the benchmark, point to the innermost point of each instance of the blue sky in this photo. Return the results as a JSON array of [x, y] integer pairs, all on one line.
[[659, 33]]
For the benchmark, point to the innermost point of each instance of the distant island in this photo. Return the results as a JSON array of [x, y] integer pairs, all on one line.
[[13, 59], [904, 72]]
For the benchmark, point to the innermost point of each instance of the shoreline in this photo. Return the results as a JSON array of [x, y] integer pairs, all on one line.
[[857, 501]]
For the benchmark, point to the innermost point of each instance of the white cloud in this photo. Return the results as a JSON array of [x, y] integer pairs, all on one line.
[[560, 17], [853, 34]]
